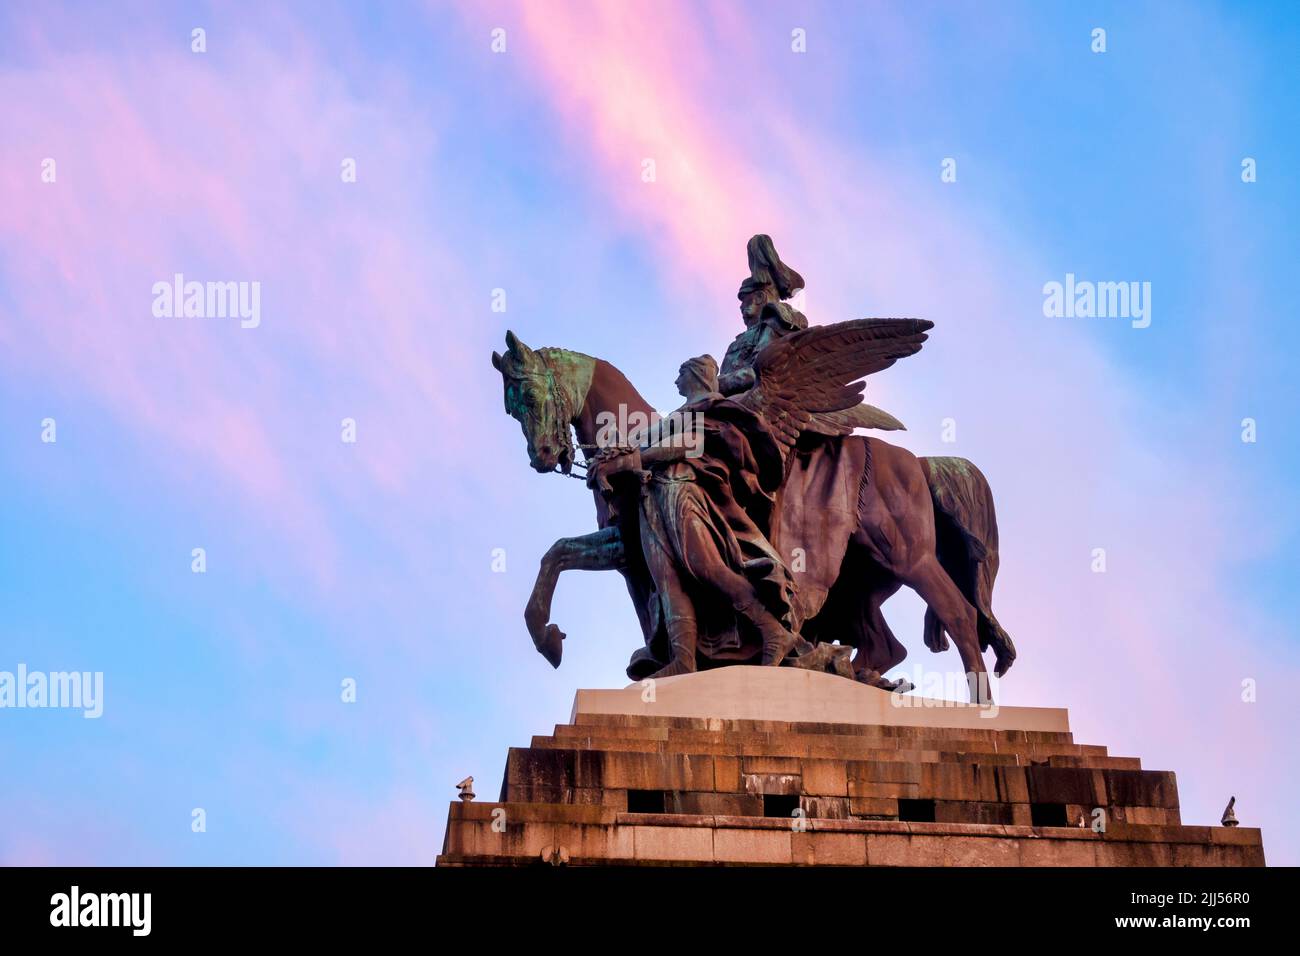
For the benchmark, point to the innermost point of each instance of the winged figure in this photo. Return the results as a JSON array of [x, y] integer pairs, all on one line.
[[808, 380], [768, 317], [721, 590]]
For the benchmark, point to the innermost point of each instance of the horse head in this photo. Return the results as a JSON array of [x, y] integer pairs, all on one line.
[[544, 392]]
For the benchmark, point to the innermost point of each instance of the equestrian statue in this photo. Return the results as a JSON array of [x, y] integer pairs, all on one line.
[[753, 525]]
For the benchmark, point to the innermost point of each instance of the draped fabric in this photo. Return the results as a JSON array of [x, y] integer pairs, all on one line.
[[716, 507]]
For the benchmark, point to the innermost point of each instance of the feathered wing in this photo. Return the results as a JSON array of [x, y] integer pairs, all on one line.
[[815, 372], [859, 416]]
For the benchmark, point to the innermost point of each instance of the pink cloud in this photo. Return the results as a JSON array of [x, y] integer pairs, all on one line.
[[167, 163]]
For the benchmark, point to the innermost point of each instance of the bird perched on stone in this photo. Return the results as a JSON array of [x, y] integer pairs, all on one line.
[[1229, 818]]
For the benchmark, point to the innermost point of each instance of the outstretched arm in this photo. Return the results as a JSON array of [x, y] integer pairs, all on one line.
[[662, 454], [616, 461]]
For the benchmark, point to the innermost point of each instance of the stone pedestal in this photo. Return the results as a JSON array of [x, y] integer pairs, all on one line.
[[753, 765]]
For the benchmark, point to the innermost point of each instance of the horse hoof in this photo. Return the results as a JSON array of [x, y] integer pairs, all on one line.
[[841, 664], [551, 646]]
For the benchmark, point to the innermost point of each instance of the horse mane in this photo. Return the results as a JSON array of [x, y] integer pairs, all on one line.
[[551, 353], [606, 390]]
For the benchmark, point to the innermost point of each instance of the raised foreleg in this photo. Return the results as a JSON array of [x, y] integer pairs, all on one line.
[[598, 551]]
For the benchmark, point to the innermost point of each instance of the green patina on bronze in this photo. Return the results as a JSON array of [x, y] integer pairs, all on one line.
[[951, 464], [544, 390]]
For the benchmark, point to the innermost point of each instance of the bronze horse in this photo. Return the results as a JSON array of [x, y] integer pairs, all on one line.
[[928, 523]]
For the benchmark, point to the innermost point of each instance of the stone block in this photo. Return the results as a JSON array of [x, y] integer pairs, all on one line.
[[752, 846], [666, 819], [1115, 853], [950, 781], [598, 843], [771, 783], [1145, 816], [541, 768], [973, 811], [981, 851], [712, 802], [1204, 854], [726, 774], [636, 771], [1040, 852], [1060, 785], [1238, 836], [1247, 856], [892, 791], [1012, 784], [892, 849], [825, 808], [827, 778], [514, 793], [673, 844], [723, 822], [1141, 788], [813, 848], [520, 840], [882, 771], [784, 766], [874, 807]]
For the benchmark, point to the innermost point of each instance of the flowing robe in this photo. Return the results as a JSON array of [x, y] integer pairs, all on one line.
[[708, 516]]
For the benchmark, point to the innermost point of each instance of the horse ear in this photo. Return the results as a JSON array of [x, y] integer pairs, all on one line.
[[496, 361], [516, 347]]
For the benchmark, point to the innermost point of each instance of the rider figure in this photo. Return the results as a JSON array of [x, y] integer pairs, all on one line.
[[766, 315]]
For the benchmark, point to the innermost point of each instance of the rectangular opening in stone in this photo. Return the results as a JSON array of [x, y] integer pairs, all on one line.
[[780, 804], [1048, 815], [916, 811], [646, 801]]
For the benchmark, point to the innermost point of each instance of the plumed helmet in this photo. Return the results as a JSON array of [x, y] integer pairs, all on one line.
[[766, 268]]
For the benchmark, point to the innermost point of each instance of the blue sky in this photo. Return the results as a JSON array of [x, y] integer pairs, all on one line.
[[520, 171]]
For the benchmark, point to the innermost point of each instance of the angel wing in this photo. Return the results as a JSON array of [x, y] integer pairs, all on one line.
[[859, 416], [813, 373]]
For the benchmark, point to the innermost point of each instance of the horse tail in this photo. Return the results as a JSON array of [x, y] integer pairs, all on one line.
[[966, 537]]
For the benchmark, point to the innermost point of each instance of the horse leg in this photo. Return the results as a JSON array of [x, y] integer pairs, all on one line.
[[898, 530], [598, 551], [875, 640], [959, 618]]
